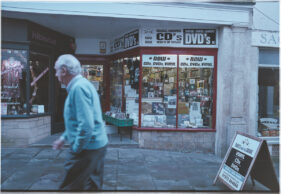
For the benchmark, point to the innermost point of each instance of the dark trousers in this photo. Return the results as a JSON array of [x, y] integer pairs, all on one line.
[[84, 171]]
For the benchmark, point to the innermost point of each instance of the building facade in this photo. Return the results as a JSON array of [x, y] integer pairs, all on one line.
[[188, 77]]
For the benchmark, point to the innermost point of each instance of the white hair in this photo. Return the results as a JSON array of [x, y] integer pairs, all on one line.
[[70, 62]]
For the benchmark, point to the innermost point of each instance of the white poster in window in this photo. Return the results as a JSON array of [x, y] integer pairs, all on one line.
[[196, 61], [166, 61]]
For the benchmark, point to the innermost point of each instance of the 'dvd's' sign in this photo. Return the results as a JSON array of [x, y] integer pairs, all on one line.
[[247, 155]]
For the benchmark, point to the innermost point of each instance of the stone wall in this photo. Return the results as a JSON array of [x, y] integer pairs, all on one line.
[[24, 131], [236, 86], [176, 140]]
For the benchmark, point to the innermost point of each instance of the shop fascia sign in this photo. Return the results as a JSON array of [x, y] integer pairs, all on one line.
[[125, 42], [206, 38], [265, 39], [184, 38]]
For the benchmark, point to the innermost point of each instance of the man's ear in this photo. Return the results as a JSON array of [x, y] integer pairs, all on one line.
[[63, 71]]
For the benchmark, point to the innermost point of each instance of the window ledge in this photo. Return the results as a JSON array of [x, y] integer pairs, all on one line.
[[24, 116], [175, 129], [271, 140]]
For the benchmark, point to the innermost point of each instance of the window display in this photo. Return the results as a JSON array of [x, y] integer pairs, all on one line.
[[39, 83], [116, 73], [131, 88], [94, 73], [159, 91], [195, 91], [13, 87], [165, 107]]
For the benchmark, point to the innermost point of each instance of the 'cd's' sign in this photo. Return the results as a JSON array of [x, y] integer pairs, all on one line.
[[199, 37]]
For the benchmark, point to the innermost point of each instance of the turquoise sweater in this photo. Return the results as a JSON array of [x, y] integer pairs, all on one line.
[[84, 126]]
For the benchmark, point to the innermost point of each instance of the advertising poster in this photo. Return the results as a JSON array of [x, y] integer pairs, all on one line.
[[196, 61], [166, 61], [12, 65]]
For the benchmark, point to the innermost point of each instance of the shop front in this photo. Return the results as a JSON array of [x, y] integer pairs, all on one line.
[[31, 98], [267, 44], [166, 83], [180, 71]]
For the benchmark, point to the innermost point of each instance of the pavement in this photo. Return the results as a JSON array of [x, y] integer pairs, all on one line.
[[127, 168]]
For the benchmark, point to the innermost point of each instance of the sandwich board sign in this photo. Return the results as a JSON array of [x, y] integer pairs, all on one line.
[[247, 156]]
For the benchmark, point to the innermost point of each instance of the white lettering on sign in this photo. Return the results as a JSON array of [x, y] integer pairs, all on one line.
[[199, 37], [190, 61], [267, 39], [179, 37], [159, 61], [246, 145]]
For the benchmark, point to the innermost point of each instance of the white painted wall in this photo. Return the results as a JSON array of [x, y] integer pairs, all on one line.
[[89, 46], [266, 15]]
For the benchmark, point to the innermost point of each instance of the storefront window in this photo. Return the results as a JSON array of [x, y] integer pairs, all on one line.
[[94, 73], [13, 86], [269, 105], [39, 83], [116, 75], [269, 102], [162, 104], [195, 91], [159, 91], [131, 88]]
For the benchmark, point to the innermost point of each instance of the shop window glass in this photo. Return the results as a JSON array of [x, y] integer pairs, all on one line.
[[13, 86], [268, 121], [195, 91], [195, 97], [268, 56], [94, 73], [116, 75], [39, 83], [159, 91], [131, 88]]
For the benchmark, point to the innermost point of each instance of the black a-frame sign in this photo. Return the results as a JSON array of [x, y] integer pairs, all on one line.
[[247, 155]]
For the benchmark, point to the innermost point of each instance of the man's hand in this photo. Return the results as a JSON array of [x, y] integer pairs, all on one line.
[[58, 144]]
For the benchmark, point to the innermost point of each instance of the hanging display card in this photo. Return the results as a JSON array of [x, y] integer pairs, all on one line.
[[247, 155], [159, 61], [196, 61]]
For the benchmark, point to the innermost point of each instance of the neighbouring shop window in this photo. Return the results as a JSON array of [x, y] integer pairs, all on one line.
[[269, 105], [131, 88], [13, 86], [195, 91], [116, 79], [39, 83], [159, 91], [94, 73]]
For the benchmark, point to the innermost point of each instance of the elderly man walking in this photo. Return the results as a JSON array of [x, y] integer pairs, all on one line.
[[84, 129]]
